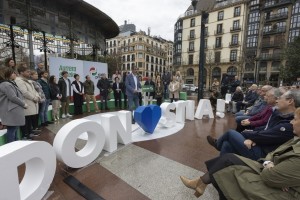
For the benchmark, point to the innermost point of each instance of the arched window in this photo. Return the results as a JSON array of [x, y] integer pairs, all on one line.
[[128, 58], [232, 71], [216, 73], [132, 57], [190, 72], [128, 67], [124, 58], [147, 58]]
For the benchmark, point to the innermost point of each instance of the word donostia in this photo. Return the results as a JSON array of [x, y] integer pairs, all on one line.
[[40, 157]]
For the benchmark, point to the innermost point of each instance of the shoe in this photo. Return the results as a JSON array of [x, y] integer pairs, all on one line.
[[27, 138], [34, 134], [49, 122], [68, 115], [36, 130], [63, 116], [106, 108], [195, 184], [212, 141], [133, 121]]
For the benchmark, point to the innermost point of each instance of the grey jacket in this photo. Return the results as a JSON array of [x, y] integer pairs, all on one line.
[[11, 105]]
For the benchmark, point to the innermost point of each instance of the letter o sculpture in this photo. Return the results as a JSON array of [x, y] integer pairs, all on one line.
[[64, 142]]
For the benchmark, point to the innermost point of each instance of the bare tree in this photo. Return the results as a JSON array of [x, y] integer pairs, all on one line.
[[209, 64]]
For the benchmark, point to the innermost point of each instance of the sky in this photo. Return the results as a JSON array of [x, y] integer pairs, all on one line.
[[159, 15]]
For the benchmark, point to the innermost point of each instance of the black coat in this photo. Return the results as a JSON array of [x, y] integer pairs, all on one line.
[[54, 88], [63, 88]]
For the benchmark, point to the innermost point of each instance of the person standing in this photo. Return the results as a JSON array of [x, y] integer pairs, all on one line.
[[133, 88], [65, 88], [124, 89], [234, 84], [37, 86], [89, 89], [117, 88], [215, 85], [166, 79], [43, 111], [149, 96], [224, 85], [55, 97], [12, 104], [78, 92], [117, 74], [31, 97], [103, 85], [40, 69], [159, 89], [174, 88]]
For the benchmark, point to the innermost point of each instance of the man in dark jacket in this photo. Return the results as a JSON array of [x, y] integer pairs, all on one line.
[[103, 85], [234, 84], [166, 79], [117, 88], [250, 98], [257, 143], [64, 85]]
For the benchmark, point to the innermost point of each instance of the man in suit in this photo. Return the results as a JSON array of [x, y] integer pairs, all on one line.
[[117, 88], [104, 86], [64, 85], [133, 87]]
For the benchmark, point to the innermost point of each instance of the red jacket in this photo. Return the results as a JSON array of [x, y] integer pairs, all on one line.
[[261, 118]]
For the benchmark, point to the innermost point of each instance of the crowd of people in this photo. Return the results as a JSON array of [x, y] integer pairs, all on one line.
[[26, 94], [259, 159]]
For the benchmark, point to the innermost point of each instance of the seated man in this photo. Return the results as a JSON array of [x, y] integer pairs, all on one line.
[[236, 97], [258, 106], [257, 143], [261, 118], [276, 177], [250, 98]]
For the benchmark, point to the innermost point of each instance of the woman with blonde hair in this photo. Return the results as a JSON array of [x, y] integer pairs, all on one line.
[[174, 89]]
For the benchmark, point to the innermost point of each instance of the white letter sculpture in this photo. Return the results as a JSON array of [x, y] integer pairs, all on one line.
[[40, 161], [167, 117], [204, 108]]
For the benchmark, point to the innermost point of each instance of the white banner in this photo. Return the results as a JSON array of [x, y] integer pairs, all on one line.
[[83, 68]]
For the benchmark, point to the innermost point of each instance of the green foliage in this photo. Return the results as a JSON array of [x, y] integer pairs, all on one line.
[[291, 70]]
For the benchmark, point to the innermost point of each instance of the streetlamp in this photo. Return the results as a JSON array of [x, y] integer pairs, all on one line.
[[204, 16]]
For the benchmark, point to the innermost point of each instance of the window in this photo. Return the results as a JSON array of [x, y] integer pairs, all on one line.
[[235, 39], [233, 55], [219, 28], [254, 17], [269, 3], [192, 34], [254, 2], [140, 47], [140, 55], [193, 22], [237, 11], [140, 64], [232, 71], [282, 10], [147, 58], [216, 73], [179, 48], [179, 36], [191, 59], [293, 34], [191, 46], [206, 31], [190, 72], [236, 24], [253, 29], [140, 39], [252, 41], [295, 21], [220, 15], [217, 56], [218, 42], [205, 44], [296, 8]]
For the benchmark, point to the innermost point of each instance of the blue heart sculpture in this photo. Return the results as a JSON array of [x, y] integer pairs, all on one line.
[[147, 117]]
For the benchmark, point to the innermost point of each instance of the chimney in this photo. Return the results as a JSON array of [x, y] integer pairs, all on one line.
[[149, 29], [125, 22]]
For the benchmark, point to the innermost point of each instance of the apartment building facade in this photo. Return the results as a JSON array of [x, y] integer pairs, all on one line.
[[152, 55], [224, 35]]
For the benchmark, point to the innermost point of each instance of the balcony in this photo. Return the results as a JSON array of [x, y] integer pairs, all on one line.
[[278, 30], [235, 29], [273, 44], [191, 37], [278, 16], [277, 3], [219, 32], [270, 56], [234, 44], [218, 46]]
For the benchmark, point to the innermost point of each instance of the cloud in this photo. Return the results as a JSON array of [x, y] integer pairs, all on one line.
[[159, 15]]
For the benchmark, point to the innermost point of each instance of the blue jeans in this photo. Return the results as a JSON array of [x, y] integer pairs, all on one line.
[[240, 113], [43, 110], [233, 142], [11, 133], [166, 91], [240, 118], [133, 100]]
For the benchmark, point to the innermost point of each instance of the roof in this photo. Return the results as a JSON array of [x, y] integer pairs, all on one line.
[[104, 23], [203, 5]]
